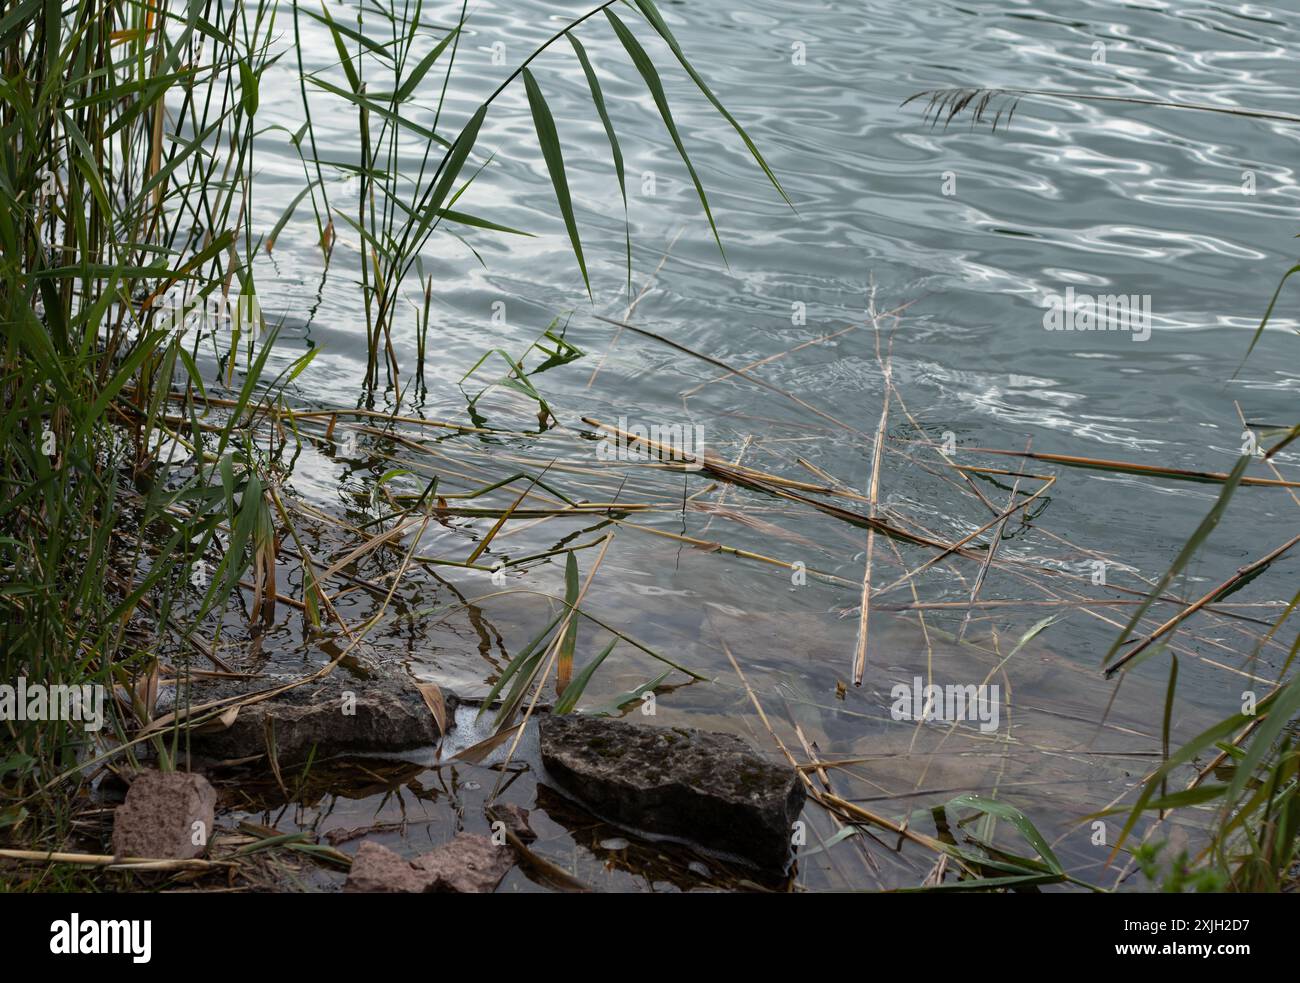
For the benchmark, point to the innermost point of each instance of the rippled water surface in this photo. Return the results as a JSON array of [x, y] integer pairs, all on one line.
[[967, 232]]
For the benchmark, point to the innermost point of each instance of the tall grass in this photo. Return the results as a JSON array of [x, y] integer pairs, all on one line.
[[394, 73], [126, 135]]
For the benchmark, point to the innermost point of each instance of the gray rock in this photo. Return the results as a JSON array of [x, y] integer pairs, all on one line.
[[166, 815], [706, 788], [387, 713], [467, 865]]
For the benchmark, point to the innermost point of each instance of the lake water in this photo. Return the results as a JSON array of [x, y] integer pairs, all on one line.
[[974, 231]]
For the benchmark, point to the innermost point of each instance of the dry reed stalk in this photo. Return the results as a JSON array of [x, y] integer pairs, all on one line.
[[873, 495], [140, 864], [1241, 574], [1152, 470]]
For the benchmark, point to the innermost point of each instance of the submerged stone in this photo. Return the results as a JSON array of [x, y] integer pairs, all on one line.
[[166, 816], [705, 788], [515, 819]]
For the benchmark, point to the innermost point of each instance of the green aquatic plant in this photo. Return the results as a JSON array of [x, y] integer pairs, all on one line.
[[129, 512], [395, 66]]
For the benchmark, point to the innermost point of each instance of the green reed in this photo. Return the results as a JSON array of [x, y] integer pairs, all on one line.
[[126, 155], [395, 67]]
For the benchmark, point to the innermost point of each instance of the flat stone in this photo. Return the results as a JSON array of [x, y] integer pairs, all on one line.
[[338, 714], [705, 788], [469, 864], [379, 870], [166, 816]]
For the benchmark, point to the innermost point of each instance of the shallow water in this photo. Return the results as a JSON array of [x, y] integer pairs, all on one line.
[[1101, 197]]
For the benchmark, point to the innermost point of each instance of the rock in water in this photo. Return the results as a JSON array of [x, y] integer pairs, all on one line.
[[469, 864], [166, 816], [706, 788], [515, 818], [335, 715], [378, 870]]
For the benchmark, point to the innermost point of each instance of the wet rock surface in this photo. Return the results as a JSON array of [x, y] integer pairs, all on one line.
[[515, 818], [342, 713], [706, 788], [166, 815], [469, 864], [379, 870]]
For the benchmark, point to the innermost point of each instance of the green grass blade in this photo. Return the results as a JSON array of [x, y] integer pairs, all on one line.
[[647, 69], [619, 702], [652, 15], [1268, 313], [422, 69], [598, 98], [517, 663], [1017, 819], [573, 692], [549, 141]]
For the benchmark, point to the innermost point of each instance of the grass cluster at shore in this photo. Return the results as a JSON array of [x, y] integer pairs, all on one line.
[[126, 161]]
